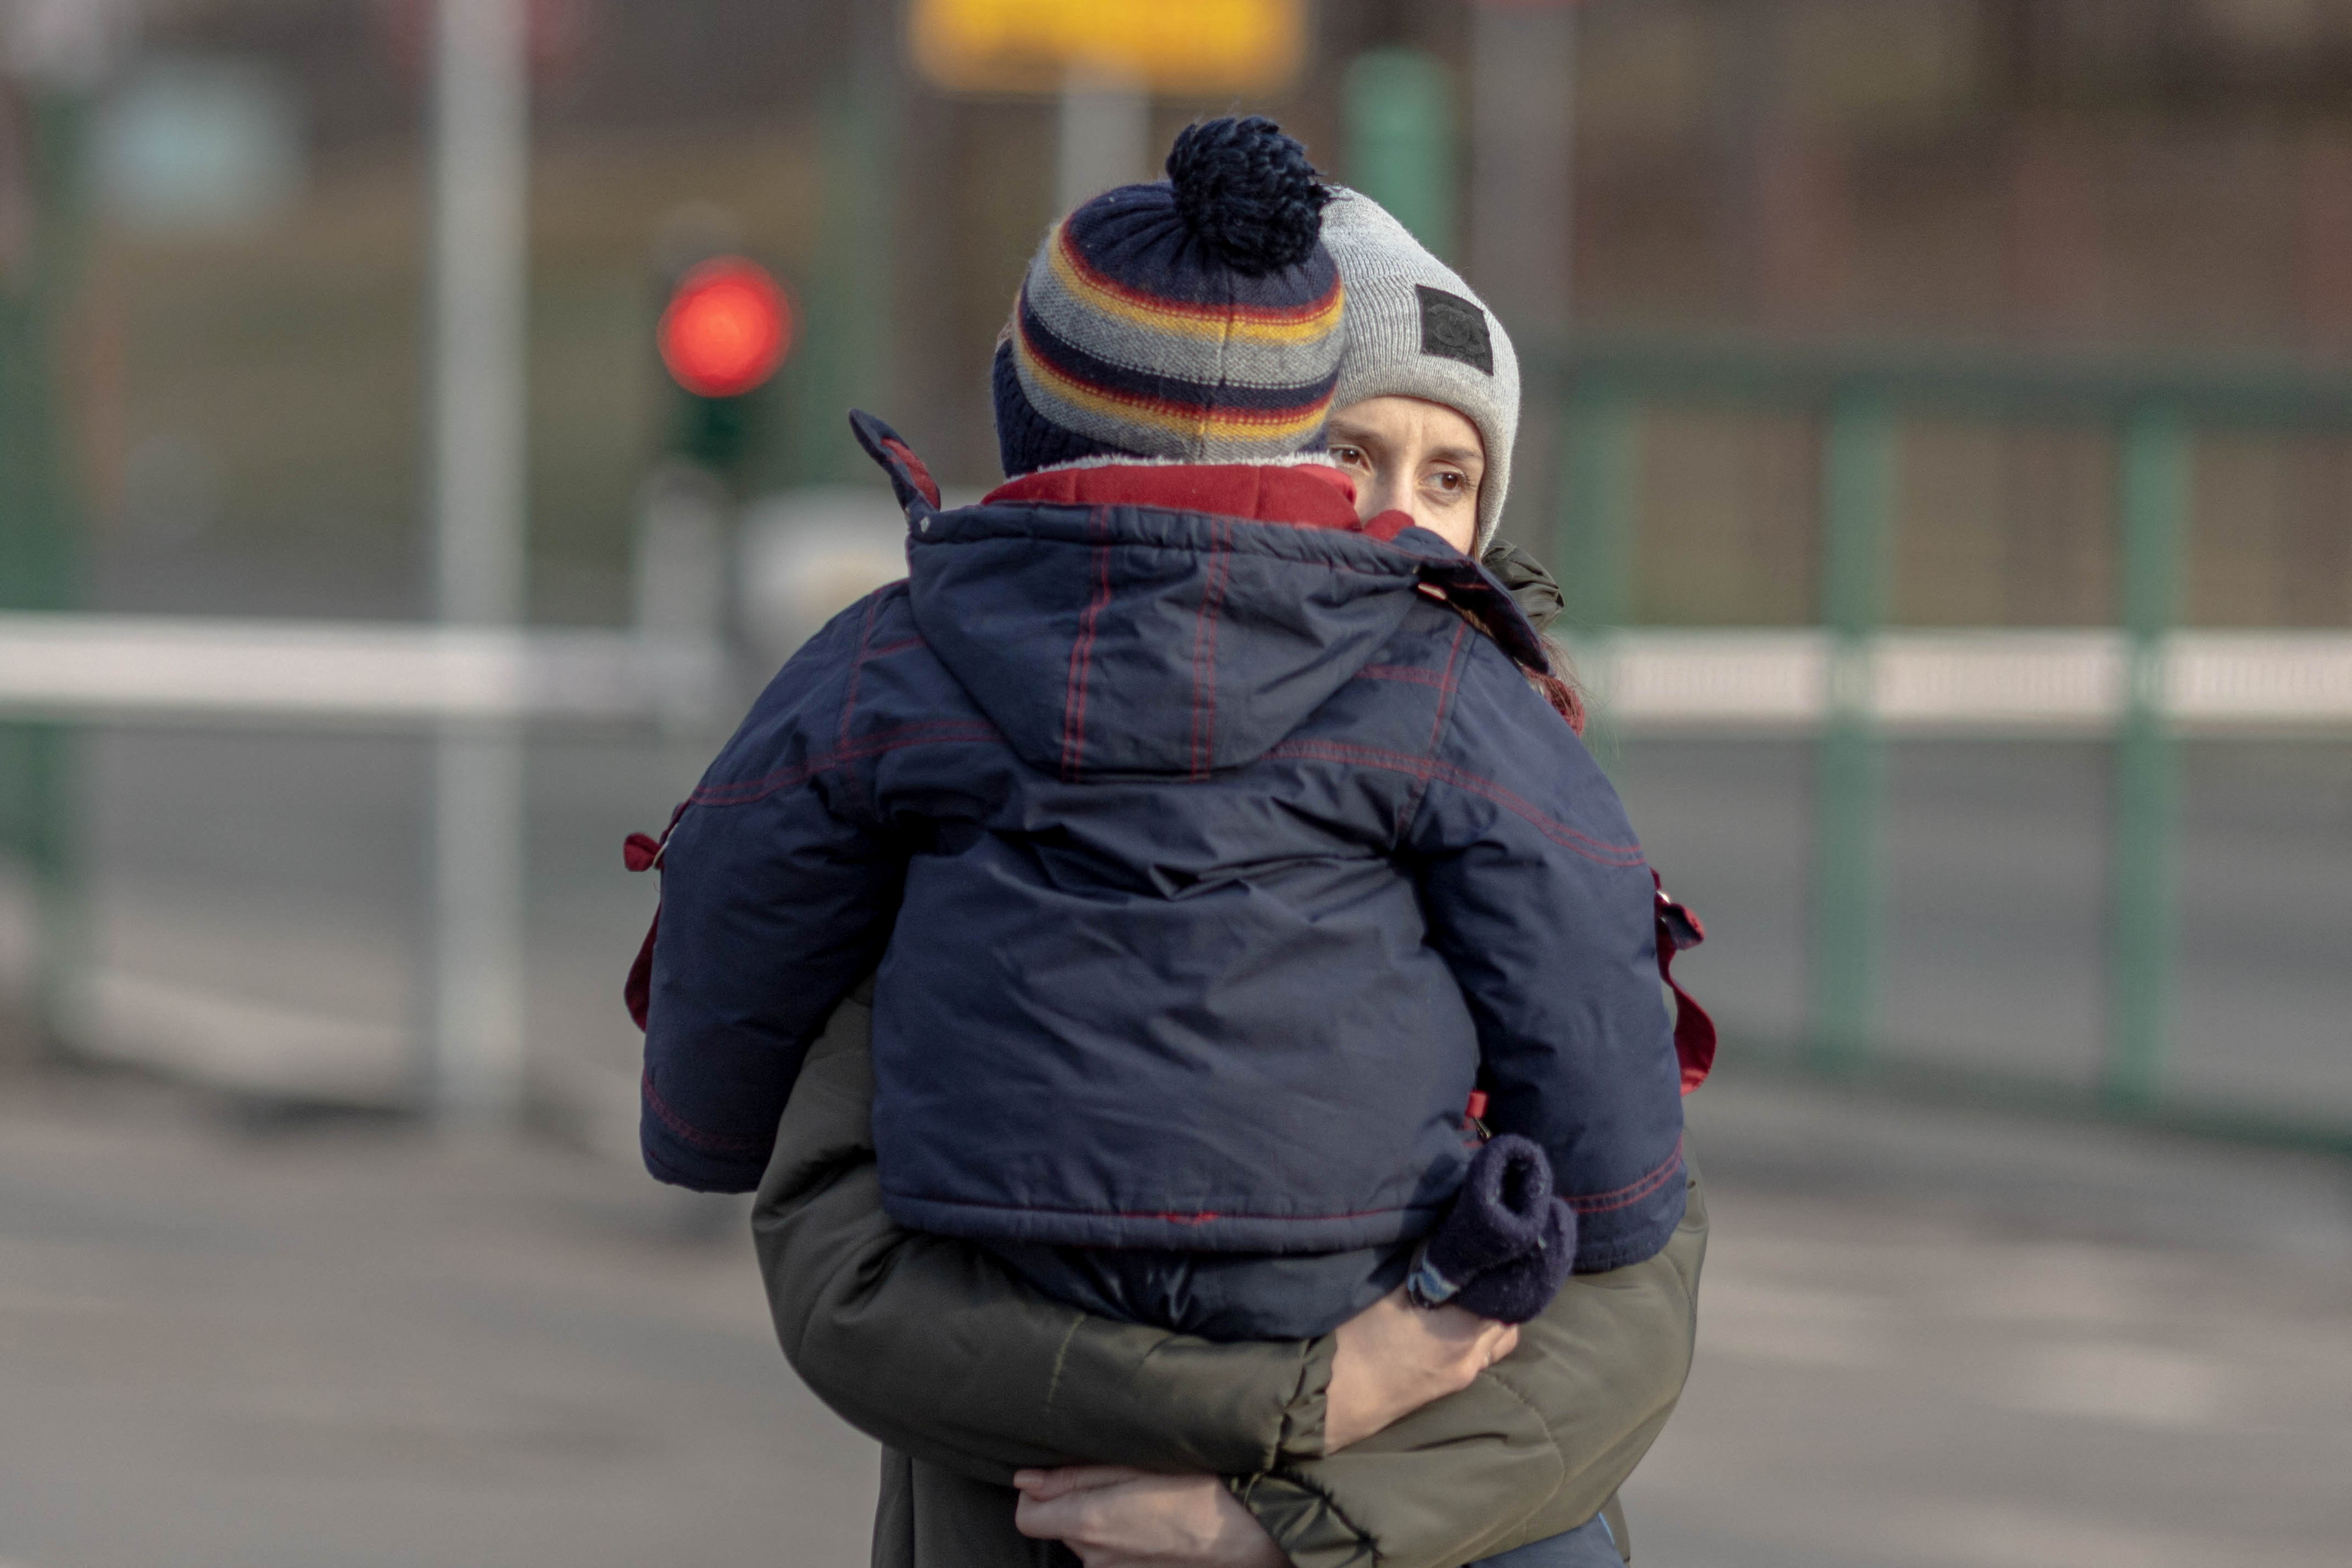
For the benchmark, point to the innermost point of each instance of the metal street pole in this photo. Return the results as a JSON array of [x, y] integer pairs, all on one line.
[[1861, 460], [481, 175], [1397, 106], [55, 55], [844, 359], [2154, 499], [1105, 136], [1522, 202], [1523, 159]]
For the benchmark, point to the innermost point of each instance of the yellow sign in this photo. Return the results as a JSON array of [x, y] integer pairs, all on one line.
[[1167, 45]]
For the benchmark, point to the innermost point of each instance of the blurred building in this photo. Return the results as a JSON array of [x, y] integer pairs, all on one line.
[[2166, 174], [233, 196]]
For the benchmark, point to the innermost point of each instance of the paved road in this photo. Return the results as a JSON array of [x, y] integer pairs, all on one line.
[[1928, 1341], [337, 1347], [1940, 1341]]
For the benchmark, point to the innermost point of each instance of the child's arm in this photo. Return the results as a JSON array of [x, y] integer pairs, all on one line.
[[1541, 901], [779, 890]]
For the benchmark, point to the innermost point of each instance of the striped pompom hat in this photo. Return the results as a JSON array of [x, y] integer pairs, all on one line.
[[1196, 319]]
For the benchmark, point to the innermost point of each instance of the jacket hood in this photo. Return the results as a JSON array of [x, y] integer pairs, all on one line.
[[1166, 620]]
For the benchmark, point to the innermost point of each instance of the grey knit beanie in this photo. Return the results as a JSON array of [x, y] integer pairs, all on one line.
[[1416, 329]]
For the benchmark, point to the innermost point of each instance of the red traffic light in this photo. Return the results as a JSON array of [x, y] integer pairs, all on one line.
[[727, 327]]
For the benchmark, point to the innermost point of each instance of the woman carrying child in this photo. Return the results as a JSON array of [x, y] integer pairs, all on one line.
[[1575, 1045]]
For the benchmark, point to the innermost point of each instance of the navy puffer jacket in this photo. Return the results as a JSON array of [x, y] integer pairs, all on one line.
[[1206, 857]]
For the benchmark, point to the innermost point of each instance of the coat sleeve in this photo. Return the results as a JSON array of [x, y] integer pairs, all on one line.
[[1539, 898], [1534, 1447], [926, 1345], [778, 889]]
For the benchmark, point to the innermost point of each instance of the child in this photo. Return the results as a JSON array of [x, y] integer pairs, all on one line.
[[1212, 845]]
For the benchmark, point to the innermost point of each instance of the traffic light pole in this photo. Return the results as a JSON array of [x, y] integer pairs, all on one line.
[[481, 170], [1105, 137], [1522, 160], [40, 243], [1522, 177], [1397, 107]]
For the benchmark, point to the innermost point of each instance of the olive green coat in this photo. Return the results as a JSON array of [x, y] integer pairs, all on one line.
[[966, 1374]]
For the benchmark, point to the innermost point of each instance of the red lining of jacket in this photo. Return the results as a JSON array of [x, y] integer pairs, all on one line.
[[1303, 494]]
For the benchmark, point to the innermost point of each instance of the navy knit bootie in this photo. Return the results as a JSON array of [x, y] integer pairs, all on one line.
[[1507, 1248]]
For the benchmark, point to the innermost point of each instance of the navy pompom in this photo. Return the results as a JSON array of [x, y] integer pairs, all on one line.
[[1248, 190]]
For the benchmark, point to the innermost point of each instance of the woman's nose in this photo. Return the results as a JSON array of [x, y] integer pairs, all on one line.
[[1379, 493]]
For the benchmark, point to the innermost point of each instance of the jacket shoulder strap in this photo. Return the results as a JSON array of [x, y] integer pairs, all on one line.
[[918, 492]]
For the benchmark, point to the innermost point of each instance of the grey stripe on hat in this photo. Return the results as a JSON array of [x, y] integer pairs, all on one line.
[[1402, 342], [1208, 360]]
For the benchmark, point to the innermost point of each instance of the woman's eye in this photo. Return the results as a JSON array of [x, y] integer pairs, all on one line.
[[1448, 481], [1349, 454]]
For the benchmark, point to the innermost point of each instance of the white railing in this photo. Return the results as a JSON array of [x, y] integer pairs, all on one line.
[[134, 669], [493, 684], [197, 669], [473, 691], [1969, 682]]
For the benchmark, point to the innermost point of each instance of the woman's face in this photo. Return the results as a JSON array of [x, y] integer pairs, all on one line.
[[1409, 455]]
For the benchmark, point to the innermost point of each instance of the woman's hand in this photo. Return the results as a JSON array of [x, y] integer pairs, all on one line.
[[1393, 1357], [1114, 1517]]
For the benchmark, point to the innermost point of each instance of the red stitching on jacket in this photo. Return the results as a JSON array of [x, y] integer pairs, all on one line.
[[1632, 1193], [1204, 648], [1445, 683], [687, 1130], [900, 646], [1082, 654], [1408, 808], [1429, 767], [1202, 1218], [931, 732], [849, 697]]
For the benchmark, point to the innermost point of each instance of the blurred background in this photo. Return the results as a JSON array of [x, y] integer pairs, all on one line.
[[421, 429]]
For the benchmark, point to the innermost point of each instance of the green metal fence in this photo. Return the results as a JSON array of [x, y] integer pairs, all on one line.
[[1604, 387], [39, 558]]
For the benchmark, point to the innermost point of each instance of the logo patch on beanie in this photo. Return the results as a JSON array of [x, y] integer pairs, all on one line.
[[1452, 328]]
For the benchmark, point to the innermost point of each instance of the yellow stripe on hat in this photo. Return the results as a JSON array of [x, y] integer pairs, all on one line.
[[1292, 424], [1247, 323]]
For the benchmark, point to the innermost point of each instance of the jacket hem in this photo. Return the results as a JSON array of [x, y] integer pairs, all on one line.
[[1646, 1241], [1205, 1231], [668, 1162]]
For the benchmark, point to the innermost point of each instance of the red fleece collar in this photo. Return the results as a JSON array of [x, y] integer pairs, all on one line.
[[1303, 494]]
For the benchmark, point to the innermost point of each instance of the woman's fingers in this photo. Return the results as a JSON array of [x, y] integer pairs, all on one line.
[[1149, 1521], [1055, 1518], [1067, 1479], [1503, 1340]]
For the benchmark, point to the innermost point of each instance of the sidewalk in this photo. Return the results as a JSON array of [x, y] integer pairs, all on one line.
[[1928, 1340], [349, 1346], [1958, 1340]]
